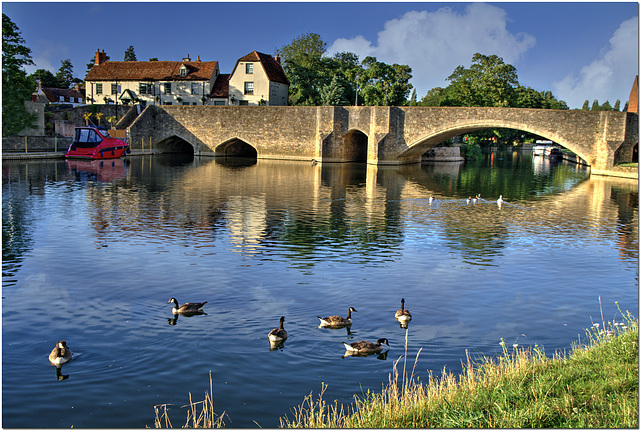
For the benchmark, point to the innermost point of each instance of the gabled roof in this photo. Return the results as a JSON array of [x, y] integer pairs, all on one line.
[[221, 87], [54, 94], [272, 68], [151, 71]]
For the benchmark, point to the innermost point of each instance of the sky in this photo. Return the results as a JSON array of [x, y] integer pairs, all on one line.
[[578, 50]]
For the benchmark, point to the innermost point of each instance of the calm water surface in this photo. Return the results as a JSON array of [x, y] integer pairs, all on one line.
[[92, 253]]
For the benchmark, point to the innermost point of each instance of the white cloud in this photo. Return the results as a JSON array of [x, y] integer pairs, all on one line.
[[43, 55], [433, 44], [610, 76]]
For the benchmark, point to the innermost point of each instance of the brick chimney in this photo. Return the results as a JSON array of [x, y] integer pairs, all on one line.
[[186, 58], [278, 58], [633, 97], [101, 57]]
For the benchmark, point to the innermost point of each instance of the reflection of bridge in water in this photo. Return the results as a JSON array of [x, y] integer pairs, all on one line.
[[362, 204]]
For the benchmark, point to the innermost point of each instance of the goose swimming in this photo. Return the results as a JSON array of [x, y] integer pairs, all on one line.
[[60, 354], [278, 334], [365, 347], [337, 320], [187, 308], [402, 314]]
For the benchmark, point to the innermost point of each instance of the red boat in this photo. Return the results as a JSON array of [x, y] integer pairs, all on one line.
[[95, 143]]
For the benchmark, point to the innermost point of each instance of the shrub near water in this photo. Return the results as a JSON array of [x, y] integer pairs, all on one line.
[[596, 385]]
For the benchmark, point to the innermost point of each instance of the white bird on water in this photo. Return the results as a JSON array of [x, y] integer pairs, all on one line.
[[500, 201]]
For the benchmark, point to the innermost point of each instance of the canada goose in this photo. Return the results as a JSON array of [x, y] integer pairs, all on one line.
[[402, 314], [365, 347], [278, 334], [337, 320], [468, 200], [187, 308], [60, 354]]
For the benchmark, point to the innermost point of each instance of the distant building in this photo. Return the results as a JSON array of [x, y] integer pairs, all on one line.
[[71, 97], [257, 79]]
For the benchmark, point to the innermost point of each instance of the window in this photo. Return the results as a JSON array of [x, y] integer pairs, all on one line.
[[194, 87], [98, 88], [145, 88], [167, 88], [61, 99], [243, 102], [183, 71], [114, 89], [248, 87], [218, 103], [249, 68]]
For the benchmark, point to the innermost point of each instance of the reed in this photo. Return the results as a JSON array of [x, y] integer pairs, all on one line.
[[595, 385], [199, 414]]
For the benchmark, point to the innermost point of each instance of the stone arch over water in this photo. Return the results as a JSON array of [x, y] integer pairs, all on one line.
[[174, 144], [423, 144], [236, 148], [355, 147]]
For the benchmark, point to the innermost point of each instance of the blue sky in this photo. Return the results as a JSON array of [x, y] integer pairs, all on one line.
[[579, 50]]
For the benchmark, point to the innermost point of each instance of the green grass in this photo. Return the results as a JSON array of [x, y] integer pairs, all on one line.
[[595, 385], [627, 165]]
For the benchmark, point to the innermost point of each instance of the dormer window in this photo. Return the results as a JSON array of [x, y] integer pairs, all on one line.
[[183, 71]]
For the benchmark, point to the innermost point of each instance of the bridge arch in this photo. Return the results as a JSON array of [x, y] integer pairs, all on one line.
[[424, 143], [236, 147], [355, 144], [174, 144]]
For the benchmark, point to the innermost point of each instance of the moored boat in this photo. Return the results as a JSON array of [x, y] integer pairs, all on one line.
[[95, 143]]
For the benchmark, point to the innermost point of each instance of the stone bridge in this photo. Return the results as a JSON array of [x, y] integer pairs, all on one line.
[[375, 135]]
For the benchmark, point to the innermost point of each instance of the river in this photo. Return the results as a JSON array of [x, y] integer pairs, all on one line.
[[92, 252]]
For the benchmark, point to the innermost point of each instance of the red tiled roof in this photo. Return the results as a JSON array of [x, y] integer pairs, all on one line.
[[151, 71], [54, 94], [221, 87], [272, 68]]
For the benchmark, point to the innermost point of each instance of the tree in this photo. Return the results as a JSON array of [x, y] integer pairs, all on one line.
[[87, 116], [585, 105], [16, 86], [595, 105], [153, 59], [333, 94], [129, 54], [65, 74], [606, 106], [383, 84], [413, 100], [303, 64], [488, 82], [616, 106], [46, 78]]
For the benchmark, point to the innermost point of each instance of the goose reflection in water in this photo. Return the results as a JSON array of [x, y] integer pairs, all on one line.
[[380, 355], [174, 320], [59, 375], [277, 344]]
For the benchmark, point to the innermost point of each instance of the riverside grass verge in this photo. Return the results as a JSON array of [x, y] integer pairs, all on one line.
[[593, 386]]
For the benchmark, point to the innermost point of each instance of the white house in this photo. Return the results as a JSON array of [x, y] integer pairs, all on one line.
[[257, 79]]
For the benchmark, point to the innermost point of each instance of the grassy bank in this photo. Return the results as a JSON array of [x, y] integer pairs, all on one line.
[[595, 385]]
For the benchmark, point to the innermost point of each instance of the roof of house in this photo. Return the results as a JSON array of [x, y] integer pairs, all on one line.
[[272, 68], [54, 94], [151, 71], [221, 87]]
